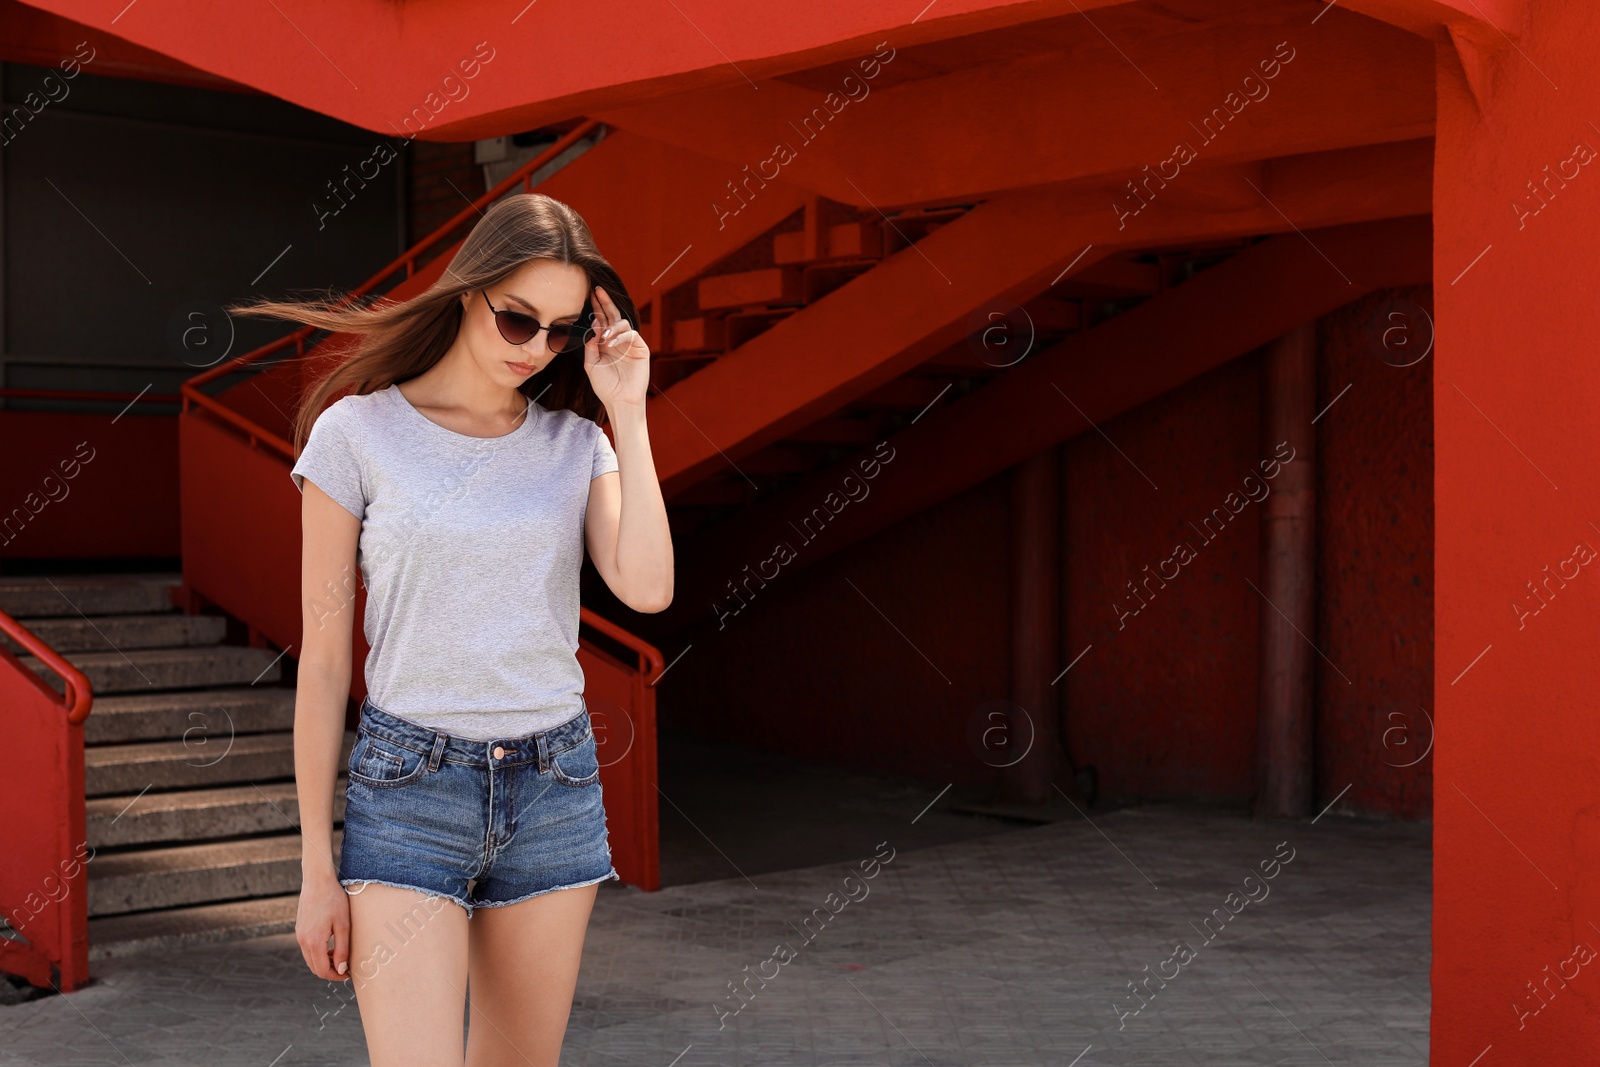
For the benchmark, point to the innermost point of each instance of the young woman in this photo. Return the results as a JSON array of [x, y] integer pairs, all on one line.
[[464, 473]]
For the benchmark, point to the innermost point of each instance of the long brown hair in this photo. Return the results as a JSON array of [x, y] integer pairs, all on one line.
[[398, 340]]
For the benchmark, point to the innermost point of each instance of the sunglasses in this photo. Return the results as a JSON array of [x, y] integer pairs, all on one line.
[[518, 329]]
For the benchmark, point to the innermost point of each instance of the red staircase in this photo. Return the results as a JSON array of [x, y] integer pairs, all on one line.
[[795, 341]]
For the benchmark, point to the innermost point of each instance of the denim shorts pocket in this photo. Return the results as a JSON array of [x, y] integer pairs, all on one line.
[[383, 764], [577, 766]]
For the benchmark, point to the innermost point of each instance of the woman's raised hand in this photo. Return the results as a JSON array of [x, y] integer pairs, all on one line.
[[615, 356]]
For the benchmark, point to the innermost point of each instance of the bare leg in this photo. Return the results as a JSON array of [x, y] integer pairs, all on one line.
[[408, 963], [524, 962]]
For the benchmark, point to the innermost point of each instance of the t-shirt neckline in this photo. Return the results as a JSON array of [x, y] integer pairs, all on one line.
[[445, 433]]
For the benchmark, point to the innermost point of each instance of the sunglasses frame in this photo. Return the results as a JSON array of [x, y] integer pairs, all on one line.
[[499, 324]]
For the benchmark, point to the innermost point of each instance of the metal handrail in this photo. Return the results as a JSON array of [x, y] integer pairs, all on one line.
[[258, 434], [651, 662], [22, 393], [79, 696]]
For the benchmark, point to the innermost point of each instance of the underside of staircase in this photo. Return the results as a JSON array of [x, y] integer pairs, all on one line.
[[192, 816]]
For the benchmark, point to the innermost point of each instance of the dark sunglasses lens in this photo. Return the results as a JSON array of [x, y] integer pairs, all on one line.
[[516, 327], [567, 337]]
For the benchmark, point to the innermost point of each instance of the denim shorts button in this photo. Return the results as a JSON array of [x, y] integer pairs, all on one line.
[[499, 752]]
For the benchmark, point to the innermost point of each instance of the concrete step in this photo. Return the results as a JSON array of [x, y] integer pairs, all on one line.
[[198, 814], [31, 597], [144, 670], [209, 873], [191, 713], [200, 762], [107, 633], [116, 936]]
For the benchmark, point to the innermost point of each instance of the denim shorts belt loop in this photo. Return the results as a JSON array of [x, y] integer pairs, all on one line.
[[484, 823]]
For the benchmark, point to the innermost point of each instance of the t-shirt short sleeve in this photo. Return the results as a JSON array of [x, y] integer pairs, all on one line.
[[605, 457], [331, 461]]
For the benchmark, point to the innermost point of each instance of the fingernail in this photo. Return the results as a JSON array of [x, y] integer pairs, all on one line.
[[343, 966]]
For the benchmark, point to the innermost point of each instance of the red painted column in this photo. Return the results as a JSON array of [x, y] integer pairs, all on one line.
[[1288, 577], [1035, 626], [1516, 978]]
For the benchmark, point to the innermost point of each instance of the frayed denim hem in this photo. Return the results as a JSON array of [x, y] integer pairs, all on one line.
[[403, 885], [613, 875]]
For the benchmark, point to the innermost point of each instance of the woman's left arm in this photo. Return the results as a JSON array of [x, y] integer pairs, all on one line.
[[625, 525]]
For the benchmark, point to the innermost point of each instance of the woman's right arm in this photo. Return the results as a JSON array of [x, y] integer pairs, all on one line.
[[328, 583]]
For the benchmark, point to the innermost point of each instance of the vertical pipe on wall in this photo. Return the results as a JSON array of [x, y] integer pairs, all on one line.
[[1035, 627], [1287, 579]]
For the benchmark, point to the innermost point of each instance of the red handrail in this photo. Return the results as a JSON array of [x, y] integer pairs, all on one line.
[[46, 828], [85, 394], [78, 695], [409, 260], [651, 663]]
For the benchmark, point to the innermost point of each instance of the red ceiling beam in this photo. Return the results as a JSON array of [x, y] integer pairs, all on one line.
[[1480, 19], [1232, 88], [370, 62], [1478, 33], [44, 39]]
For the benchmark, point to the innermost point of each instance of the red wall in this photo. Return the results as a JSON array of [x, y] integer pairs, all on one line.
[[1517, 819], [117, 494], [811, 667], [441, 180], [1164, 707], [1375, 555]]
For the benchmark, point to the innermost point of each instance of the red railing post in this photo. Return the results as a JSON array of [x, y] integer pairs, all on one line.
[[43, 881]]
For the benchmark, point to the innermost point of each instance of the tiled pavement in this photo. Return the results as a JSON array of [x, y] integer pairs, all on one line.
[[1006, 949]]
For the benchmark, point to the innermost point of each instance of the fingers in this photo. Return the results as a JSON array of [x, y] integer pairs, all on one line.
[[605, 301], [597, 322], [334, 964], [341, 947], [314, 950]]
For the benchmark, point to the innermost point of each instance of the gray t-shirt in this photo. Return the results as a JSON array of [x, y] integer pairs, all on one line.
[[470, 550]]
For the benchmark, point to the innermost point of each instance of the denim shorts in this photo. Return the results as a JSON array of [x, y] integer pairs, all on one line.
[[483, 823]]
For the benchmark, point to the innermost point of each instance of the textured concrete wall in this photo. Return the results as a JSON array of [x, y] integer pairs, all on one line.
[[1375, 556], [876, 657]]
